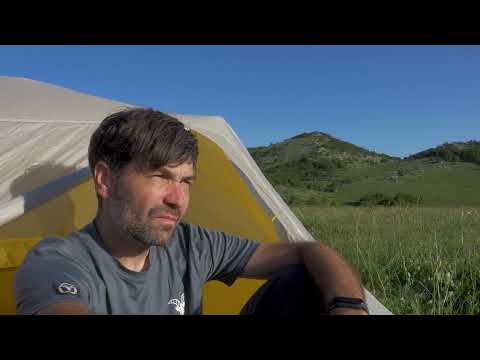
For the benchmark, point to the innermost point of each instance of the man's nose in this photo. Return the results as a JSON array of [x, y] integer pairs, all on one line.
[[174, 195]]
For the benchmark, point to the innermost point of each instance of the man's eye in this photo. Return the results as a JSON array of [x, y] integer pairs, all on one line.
[[161, 176]]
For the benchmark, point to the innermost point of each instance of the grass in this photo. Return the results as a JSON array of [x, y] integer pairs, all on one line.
[[437, 184], [415, 260], [442, 184]]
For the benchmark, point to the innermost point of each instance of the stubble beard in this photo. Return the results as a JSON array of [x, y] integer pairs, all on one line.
[[138, 229], [145, 234]]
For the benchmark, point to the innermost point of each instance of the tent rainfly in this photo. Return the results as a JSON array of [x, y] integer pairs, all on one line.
[[46, 187]]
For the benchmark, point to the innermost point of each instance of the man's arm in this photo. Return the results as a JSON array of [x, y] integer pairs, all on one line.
[[331, 273], [65, 308], [49, 283]]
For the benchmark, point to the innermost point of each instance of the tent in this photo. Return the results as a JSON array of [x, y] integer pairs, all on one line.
[[46, 187]]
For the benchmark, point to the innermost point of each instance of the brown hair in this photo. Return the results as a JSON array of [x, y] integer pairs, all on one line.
[[148, 138]]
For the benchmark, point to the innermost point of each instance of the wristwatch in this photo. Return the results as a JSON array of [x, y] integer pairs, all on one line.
[[346, 302]]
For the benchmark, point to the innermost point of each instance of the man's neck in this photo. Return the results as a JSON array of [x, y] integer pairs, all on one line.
[[131, 254]]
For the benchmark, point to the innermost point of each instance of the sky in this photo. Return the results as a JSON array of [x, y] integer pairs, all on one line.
[[396, 100]]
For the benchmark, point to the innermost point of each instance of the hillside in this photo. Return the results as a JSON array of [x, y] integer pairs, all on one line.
[[317, 169], [451, 152], [315, 146]]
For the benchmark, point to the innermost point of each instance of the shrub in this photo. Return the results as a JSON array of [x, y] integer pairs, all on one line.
[[400, 199]]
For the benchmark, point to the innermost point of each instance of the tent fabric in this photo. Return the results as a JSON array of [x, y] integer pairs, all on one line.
[[44, 136]]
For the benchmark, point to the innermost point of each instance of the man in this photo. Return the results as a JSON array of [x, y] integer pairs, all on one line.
[[137, 257]]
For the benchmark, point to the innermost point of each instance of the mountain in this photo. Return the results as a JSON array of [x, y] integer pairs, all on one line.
[[315, 146], [311, 160], [317, 169]]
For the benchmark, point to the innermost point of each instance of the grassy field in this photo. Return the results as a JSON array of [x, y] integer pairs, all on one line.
[[438, 184], [421, 259], [415, 260]]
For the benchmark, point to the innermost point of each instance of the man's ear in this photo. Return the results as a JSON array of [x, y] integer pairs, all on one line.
[[103, 180]]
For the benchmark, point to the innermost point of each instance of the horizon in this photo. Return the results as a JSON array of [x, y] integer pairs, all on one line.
[[332, 135], [392, 99]]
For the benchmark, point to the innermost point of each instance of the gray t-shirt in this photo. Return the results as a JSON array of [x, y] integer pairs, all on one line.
[[78, 267]]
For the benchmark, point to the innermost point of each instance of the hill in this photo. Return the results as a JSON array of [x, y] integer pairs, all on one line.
[[318, 169], [316, 146], [451, 152]]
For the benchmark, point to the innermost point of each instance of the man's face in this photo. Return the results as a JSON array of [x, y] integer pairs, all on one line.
[[147, 205]]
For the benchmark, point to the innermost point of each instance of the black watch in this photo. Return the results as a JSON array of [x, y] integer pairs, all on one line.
[[346, 302]]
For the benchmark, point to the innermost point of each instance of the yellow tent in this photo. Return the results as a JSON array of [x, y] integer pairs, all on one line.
[[46, 188]]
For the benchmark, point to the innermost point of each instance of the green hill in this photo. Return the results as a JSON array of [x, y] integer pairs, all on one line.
[[317, 169], [451, 152], [315, 146]]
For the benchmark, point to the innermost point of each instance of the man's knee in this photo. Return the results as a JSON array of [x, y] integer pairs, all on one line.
[[290, 291]]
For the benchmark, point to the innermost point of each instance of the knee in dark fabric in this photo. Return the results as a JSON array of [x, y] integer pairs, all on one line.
[[290, 291]]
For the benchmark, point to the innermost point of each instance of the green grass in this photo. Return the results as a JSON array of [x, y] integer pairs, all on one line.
[[439, 184], [418, 260]]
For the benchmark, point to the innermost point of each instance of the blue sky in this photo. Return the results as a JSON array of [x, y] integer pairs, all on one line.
[[396, 100]]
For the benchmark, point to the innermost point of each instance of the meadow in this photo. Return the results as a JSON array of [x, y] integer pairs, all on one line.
[[415, 260], [411, 226]]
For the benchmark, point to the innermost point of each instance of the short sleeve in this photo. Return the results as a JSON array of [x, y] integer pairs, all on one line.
[[221, 256], [45, 279]]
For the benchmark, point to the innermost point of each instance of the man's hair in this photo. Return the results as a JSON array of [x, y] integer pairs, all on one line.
[[147, 138]]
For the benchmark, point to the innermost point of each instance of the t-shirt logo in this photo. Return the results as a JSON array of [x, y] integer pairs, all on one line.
[[179, 304], [66, 288]]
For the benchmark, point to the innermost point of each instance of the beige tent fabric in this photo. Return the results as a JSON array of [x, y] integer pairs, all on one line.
[[46, 128]]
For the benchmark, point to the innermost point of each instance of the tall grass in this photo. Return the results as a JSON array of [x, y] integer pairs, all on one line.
[[415, 260]]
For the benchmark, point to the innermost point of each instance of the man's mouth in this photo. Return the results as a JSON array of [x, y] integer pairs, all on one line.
[[166, 218]]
